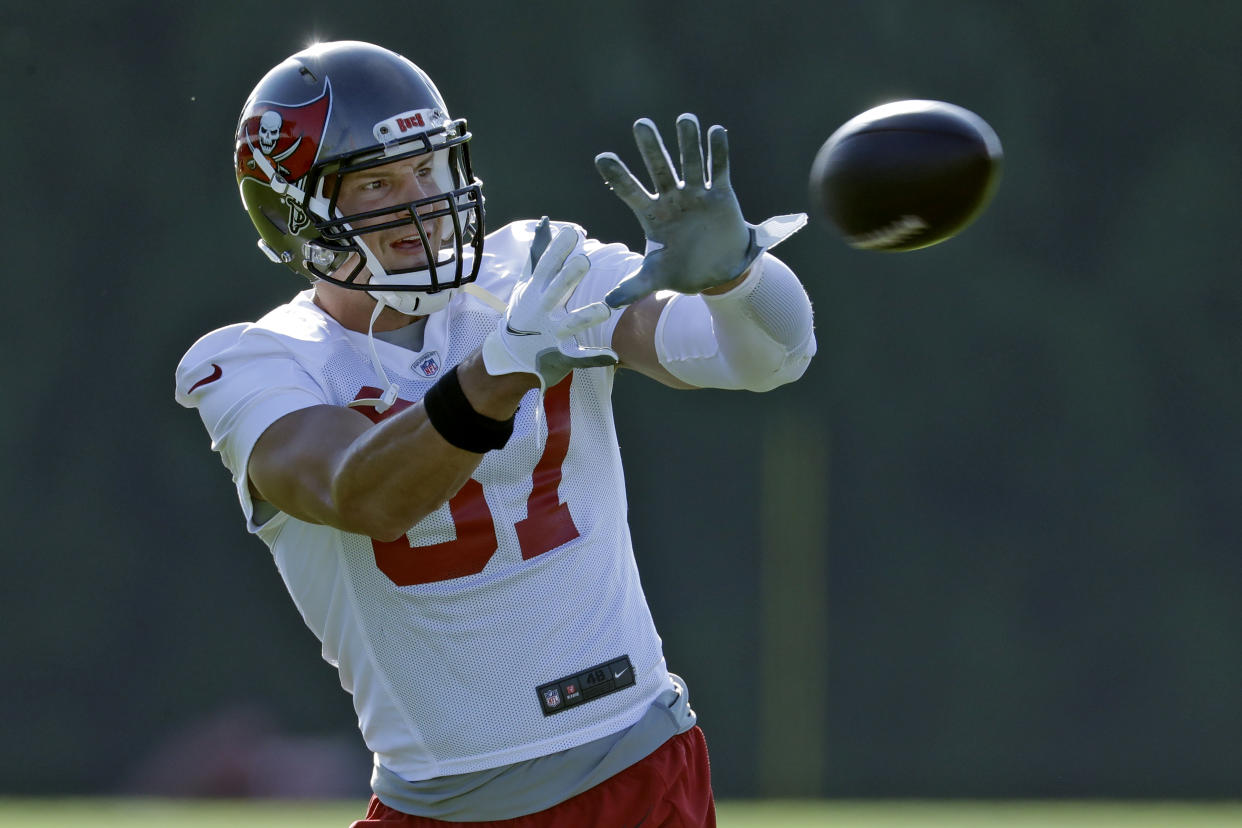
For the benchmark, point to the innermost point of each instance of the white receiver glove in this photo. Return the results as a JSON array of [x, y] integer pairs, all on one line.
[[538, 333]]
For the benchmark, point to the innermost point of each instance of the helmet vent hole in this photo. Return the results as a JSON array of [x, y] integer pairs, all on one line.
[[275, 218]]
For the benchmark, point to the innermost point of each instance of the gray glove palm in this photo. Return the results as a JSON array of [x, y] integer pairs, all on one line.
[[696, 235]]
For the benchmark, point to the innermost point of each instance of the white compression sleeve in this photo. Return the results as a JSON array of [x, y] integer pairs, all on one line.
[[756, 337]]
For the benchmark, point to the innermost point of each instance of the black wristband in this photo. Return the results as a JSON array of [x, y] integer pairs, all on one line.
[[455, 419]]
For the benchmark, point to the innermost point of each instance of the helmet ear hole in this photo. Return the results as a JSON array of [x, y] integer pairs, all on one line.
[[275, 219]]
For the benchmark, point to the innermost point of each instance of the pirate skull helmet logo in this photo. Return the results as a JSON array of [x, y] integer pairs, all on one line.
[[269, 131]]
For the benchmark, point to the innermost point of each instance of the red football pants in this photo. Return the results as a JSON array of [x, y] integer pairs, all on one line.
[[672, 787]]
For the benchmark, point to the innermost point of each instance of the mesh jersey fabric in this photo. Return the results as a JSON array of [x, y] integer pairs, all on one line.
[[527, 575]]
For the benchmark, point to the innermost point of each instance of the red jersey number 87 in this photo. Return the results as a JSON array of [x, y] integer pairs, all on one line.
[[546, 526]]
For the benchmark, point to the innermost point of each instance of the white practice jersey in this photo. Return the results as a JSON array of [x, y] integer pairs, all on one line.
[[480, 638]]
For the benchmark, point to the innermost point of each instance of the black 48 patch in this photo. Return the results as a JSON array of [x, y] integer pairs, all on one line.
[[590, 684]]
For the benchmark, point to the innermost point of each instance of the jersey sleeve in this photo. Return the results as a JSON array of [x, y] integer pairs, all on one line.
[[241, 381]]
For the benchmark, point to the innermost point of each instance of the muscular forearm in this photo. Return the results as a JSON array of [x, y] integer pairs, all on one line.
[[332, 465], [396, 473]]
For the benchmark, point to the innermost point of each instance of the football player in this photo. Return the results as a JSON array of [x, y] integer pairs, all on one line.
[[425, 441]]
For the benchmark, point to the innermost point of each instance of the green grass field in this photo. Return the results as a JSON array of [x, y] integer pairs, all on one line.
[[121, 813]]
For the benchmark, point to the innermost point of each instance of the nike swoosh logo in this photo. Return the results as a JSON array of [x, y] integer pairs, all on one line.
[[216, 373], [620, 674], [520, 333]]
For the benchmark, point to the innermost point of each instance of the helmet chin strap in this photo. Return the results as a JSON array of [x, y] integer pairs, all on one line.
[[407, 302], [385, 401]]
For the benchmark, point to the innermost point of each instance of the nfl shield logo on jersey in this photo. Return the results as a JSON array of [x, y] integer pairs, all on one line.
[[429, 365], [552, 697]]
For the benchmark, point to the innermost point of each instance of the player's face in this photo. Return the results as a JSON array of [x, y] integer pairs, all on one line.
[[398, 183]]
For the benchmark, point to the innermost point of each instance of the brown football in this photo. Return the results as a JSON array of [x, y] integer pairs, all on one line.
[[906, 175]]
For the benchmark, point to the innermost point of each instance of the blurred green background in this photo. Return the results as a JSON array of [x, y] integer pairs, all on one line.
[[987, 547]]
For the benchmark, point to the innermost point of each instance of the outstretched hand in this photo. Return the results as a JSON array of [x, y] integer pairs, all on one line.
[[696, 236], [538, 333]]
